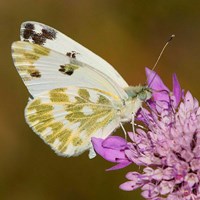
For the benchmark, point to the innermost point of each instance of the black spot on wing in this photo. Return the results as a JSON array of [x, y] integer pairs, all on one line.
[[49, 34], [31, 97], [29, 26], [69, 54], [62, 69], [67, 71], [35, 74], [26, 40], [72, 54], [38, 37], [28, 31]]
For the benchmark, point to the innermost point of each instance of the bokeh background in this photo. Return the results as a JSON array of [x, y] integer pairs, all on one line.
[[128, 34]]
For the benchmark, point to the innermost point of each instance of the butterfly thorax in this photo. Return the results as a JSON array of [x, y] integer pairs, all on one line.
[[143, 93], [136, 96]]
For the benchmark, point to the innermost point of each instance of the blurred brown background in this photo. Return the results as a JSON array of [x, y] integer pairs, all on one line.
[[128, 34]]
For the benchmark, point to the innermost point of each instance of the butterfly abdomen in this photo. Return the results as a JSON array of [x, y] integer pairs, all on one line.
[[131, 107], [136, 96]]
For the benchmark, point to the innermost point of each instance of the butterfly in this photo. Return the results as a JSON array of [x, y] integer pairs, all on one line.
[[74, 94]]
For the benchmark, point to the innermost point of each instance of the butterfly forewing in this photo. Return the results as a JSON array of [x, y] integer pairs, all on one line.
[[67, 118], [44, 35], [43, 69]]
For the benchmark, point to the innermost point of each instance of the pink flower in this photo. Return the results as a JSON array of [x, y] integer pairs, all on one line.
[[168, 147]]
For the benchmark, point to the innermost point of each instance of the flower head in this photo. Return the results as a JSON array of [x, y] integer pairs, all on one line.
[[168, 147]]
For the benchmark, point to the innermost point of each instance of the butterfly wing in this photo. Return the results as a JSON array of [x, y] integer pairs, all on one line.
[[67, 118], [46, 36], [43, 69], [77, 95]]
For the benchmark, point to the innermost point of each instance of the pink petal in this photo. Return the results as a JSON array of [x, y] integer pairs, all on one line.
[[114, 142], [160, 91], [111, 155], [149, 191], [119, 166], [133, 176], [191, 179], [166, 187], [195, 163], [176, 90], [129, 186], [189, 101]]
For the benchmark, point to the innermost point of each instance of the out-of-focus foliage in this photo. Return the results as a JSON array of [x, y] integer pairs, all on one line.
[[128, 34]]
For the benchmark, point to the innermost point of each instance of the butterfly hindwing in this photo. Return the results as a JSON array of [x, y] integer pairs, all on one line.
[[67, 118], [49, 37], [43, 69]]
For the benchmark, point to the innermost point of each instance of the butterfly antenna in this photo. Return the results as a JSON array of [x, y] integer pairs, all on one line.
[[163, 49]]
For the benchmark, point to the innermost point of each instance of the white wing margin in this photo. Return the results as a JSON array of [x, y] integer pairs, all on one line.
[[44, 35]]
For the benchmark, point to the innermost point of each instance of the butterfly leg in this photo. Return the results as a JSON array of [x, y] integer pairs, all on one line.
[[125, 133], [133, 122], [92, 153]]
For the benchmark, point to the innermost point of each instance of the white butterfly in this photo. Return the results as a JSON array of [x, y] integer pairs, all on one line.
[[75, 94]]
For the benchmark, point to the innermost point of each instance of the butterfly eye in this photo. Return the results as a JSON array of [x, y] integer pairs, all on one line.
[[142, 96]]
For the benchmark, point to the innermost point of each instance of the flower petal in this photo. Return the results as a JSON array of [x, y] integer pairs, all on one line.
[[112, 155], [189, 101], [160, 91], [119, 166], [176, 90], [114, 142], [129, 186]]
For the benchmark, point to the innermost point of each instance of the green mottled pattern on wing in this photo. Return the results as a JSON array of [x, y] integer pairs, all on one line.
[[67, 118]]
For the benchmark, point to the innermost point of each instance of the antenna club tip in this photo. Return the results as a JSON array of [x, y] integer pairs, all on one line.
[[170, 39]]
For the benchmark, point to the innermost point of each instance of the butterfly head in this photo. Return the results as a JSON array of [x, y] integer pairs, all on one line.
[[143, 93]]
